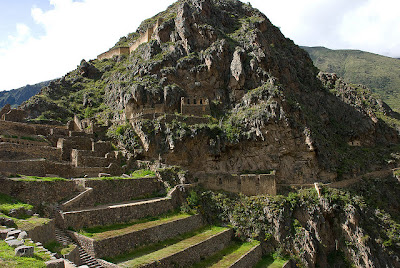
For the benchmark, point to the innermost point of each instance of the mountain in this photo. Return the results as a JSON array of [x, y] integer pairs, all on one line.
[[379, 73], [214, 87], [17, 96]]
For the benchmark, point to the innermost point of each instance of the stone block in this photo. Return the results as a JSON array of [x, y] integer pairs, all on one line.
[[59, 263], [24, 251], [15, 243], [23, 235], [4, 232], [14, 233]]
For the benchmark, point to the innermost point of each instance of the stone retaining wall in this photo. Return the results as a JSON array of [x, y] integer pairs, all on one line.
[[38, 192], [43, 167], [107, 215], [250, 259], [116, 190], [121, 244], [43, 233], [196, 252], [248, 184], [23, 129], [12, 151]]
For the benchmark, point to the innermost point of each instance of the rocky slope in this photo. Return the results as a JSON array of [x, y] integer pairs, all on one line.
[[269, 111], [17, 96], [356, 227], [377, 72], [221, 50]]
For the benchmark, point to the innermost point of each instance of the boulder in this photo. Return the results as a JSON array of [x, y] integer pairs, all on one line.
[[15, 243], [4, 232], [14, 233], [24, 251], [23, 235], [7, 222], [59, 263]]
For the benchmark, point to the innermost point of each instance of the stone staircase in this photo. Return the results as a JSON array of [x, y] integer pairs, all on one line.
[[85, 258], [169, 240]]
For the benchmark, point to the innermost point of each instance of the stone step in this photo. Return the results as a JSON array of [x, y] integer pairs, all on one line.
[[121, 212], [119, 241], [186, 252]]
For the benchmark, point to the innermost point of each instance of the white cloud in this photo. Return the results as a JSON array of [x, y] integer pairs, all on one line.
[[76, 30], [73, 31], [371, 25]]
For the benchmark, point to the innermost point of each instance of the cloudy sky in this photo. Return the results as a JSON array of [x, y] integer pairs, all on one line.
[[44, 39]]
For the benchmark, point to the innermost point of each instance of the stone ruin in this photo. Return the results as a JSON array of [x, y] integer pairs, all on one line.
[[143, 38], [73, 150]]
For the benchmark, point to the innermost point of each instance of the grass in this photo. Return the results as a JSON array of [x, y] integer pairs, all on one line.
[[271, 261], [137, 174], [103, 232], [36, 178], [31, 222], [175, 247], [227, 256], [142, 173], [8, 203], [56, 247], [8, 258], [142, 253]]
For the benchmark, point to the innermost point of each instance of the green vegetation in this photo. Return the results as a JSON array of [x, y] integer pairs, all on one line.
[[271, 261], [36, 178], [9, 260], [227, 256], [8, 203], [141, 173], [103, 232], [125, 136], [163, 249], [56, 247], [377, 72]]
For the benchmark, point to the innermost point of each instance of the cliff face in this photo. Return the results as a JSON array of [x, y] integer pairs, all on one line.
[[268, 109]]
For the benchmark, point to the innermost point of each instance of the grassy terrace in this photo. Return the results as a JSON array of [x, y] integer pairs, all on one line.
[[36, 178], [162, 249], [271, 261], [23, 222], [8, 258], [103, 232], [227, 256], [168, 250]]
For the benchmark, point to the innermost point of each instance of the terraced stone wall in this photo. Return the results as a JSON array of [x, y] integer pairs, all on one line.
[[117, 190], [248, 184], [120, 244], [13, 151], [38, 192], [43, 233]]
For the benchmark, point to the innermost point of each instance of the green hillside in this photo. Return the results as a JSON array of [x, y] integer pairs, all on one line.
[[17, 96], [381, 74]]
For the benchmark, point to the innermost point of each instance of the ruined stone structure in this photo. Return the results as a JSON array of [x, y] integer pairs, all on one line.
[[248, 184], [41, 150], [143, 38], [113, 52], [194, 105], [14, 115]]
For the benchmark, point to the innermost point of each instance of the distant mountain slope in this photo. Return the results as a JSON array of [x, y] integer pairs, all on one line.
[[17, 96], [381, 74]]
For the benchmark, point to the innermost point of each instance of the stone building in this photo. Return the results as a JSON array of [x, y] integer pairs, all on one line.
[[143, 38]]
